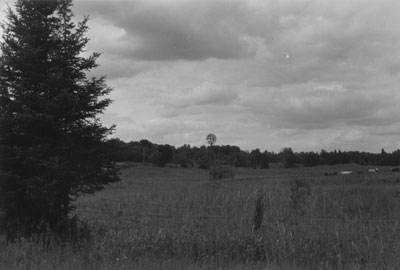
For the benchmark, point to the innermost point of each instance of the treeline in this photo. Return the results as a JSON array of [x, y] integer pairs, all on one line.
[[145, 151]]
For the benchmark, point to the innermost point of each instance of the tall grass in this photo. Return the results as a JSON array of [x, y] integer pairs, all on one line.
[[173, 219]]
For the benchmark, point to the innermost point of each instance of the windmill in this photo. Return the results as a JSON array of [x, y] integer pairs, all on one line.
[[211, 139]]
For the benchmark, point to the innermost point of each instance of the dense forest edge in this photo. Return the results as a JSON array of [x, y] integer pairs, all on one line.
[[187, 156]]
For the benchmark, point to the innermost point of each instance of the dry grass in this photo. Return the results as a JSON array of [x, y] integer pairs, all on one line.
[[176, 219]]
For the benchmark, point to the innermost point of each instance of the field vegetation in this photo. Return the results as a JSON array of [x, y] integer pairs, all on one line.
[[174, 218]]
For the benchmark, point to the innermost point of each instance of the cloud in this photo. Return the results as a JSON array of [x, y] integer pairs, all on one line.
[[191, 30], [207, 94], [317, 106], [307, 74], [207, 99]]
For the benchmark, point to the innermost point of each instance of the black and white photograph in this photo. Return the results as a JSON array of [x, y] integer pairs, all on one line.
[[200, 134]]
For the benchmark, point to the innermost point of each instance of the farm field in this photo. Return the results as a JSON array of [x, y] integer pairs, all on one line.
[[175, 218]]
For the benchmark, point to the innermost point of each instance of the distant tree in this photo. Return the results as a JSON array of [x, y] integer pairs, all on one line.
[[202, 157], [184, 156], [147, 148], [288, 158], [311, 159], [324, 156], [264, 161], [133, 152], [396, 157], [52, 141], [117, 149], [242, 159], [155, 157], [255, 158], [343, 157], [166, 152]]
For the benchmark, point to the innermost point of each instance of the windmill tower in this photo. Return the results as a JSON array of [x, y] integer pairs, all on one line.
[[211, 139]]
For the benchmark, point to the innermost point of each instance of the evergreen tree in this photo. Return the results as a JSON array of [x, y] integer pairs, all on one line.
[[52, 142]]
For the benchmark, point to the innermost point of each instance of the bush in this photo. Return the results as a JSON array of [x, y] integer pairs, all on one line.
[[220, 172]]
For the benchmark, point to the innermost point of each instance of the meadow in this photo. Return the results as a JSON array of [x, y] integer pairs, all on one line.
[[175, 218]]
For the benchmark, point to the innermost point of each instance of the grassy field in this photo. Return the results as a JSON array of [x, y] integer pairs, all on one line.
[[172, 218]]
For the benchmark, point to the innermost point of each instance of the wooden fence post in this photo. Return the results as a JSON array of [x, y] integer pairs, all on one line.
[[258, 213]]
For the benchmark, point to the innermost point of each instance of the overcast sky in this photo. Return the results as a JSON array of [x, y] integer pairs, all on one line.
[[268, 74]]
